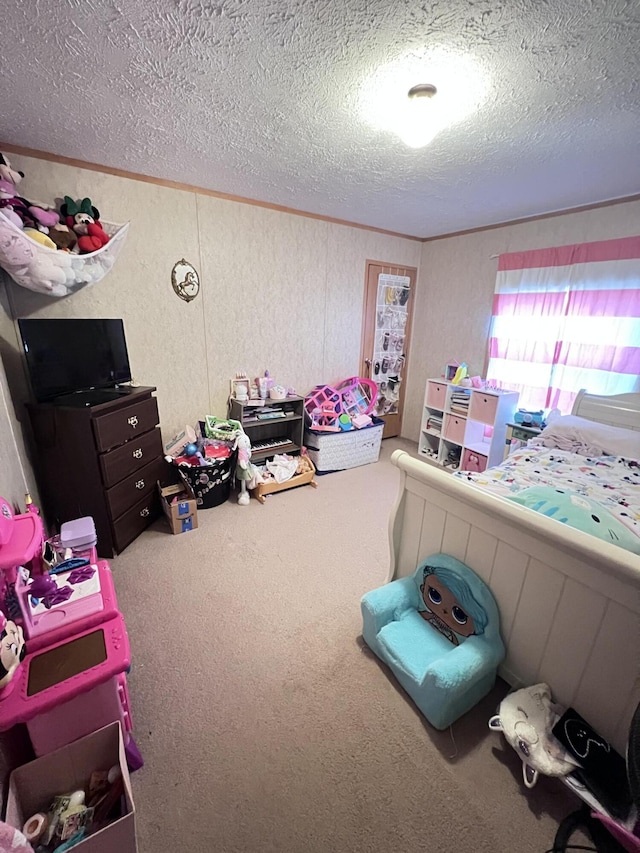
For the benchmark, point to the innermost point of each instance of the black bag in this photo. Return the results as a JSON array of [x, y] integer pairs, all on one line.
[[211, 484], [603, 771]]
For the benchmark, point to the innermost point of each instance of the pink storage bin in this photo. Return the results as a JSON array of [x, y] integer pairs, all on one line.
[[454, 428], [436, 395], [483, 407], [473, 461]]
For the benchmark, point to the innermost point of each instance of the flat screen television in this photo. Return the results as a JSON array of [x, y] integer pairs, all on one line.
[[80, 361]]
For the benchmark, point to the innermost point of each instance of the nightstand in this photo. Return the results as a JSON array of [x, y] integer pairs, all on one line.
[[519, 433]]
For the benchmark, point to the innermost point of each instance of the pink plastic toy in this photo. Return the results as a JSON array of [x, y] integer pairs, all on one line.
[[320, 396], [325, 418], [359, 395], [21, 538], [52, 617], [71, 688]]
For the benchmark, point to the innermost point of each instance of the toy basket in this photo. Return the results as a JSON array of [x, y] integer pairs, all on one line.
[[224, 429], [211, 484], [50, 271]]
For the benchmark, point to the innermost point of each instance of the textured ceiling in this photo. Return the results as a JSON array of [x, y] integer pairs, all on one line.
[[263, 99]]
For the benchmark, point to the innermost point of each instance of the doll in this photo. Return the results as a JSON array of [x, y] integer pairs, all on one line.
[[244, 468]]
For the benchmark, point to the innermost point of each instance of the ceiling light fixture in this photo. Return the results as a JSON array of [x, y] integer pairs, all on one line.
[[389, 101], [420, 127]]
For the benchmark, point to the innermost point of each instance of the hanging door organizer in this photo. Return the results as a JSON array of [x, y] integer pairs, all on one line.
[[53, 272]]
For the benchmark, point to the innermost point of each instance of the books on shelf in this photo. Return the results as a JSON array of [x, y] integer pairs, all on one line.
[[459, 404]]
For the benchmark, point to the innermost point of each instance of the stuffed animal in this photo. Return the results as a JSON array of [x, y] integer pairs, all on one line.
[[14, 176], [580, 512], [19, 210], [83, 218], [244, 467], [12, 650], [526, 719], [39, 237], [43, 272], [64, 238]]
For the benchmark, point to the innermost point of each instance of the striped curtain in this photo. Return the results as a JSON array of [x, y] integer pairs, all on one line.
[[565, 319]]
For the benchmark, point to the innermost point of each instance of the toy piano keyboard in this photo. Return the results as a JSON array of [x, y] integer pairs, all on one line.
[[81, 598]]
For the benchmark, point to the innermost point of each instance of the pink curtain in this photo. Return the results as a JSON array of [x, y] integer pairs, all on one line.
[[567, 318]]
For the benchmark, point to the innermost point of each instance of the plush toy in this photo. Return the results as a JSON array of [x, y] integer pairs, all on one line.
[[12, 650], [526, 719], [42, 272], [14, 176], [64, 238], [39, 237], [244, 468], [580, 512], [19, 210], [83, 219]]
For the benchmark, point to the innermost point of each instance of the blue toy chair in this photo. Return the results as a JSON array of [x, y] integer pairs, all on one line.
[[439, 631]]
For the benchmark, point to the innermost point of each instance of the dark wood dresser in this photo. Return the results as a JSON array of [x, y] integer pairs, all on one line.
[[101, 460]]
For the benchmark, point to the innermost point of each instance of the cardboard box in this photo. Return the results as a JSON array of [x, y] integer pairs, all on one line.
[[183, 514], [33, 786]]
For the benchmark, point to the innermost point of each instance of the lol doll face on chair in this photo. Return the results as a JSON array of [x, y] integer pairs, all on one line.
[[450, 605]]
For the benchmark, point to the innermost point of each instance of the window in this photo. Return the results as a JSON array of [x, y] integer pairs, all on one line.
[[565, 319]]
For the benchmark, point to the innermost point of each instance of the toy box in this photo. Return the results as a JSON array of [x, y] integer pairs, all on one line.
[[182, 514], [336, 451], [33, 786]]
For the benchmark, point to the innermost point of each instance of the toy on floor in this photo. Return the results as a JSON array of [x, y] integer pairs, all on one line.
[[439, 632], [526, 718], [244, 468]]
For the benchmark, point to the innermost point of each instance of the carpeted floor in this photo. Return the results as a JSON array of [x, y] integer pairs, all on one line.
[[265, 723]]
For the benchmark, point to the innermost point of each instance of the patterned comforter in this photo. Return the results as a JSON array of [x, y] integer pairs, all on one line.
[[547, 480]]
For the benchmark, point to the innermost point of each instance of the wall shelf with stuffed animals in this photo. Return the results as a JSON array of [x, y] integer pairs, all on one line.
[[51, 252]]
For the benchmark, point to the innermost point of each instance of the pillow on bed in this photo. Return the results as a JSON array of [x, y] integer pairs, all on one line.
[[579, 512], [579, 435]]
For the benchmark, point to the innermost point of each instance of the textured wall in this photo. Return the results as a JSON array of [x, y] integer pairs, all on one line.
[[264, 100], [278, 291], [455, 289]]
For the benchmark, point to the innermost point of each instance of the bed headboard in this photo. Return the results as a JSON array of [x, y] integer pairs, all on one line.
[[620, 410]]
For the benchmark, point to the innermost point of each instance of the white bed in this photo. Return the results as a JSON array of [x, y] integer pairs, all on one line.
[[569, 603]]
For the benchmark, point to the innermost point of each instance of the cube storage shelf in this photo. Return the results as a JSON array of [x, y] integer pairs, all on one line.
[[464, 424]]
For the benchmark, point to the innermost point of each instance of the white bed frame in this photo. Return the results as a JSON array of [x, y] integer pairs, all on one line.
[[569, 602]]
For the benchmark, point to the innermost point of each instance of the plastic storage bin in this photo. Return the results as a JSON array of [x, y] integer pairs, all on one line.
[[336, 451]]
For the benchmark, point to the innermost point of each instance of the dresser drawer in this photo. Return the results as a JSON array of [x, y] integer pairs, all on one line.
[[119, 463], [134, 487], [133, 522], [115, 428]]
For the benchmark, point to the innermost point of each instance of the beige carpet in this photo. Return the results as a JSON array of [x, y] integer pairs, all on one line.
[[264, 722]]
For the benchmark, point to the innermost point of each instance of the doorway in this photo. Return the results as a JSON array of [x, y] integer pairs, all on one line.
[[386, 337]]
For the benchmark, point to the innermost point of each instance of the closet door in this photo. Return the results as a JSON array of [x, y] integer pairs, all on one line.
[[386, 332]]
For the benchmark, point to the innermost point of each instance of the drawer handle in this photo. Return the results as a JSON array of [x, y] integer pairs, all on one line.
[[140, 484], [137, 454], [133, 421], [144, 512]]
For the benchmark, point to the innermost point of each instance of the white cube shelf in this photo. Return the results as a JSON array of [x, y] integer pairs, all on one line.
[[464, 424]]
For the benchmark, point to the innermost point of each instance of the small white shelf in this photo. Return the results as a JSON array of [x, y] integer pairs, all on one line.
[[480, 433]]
